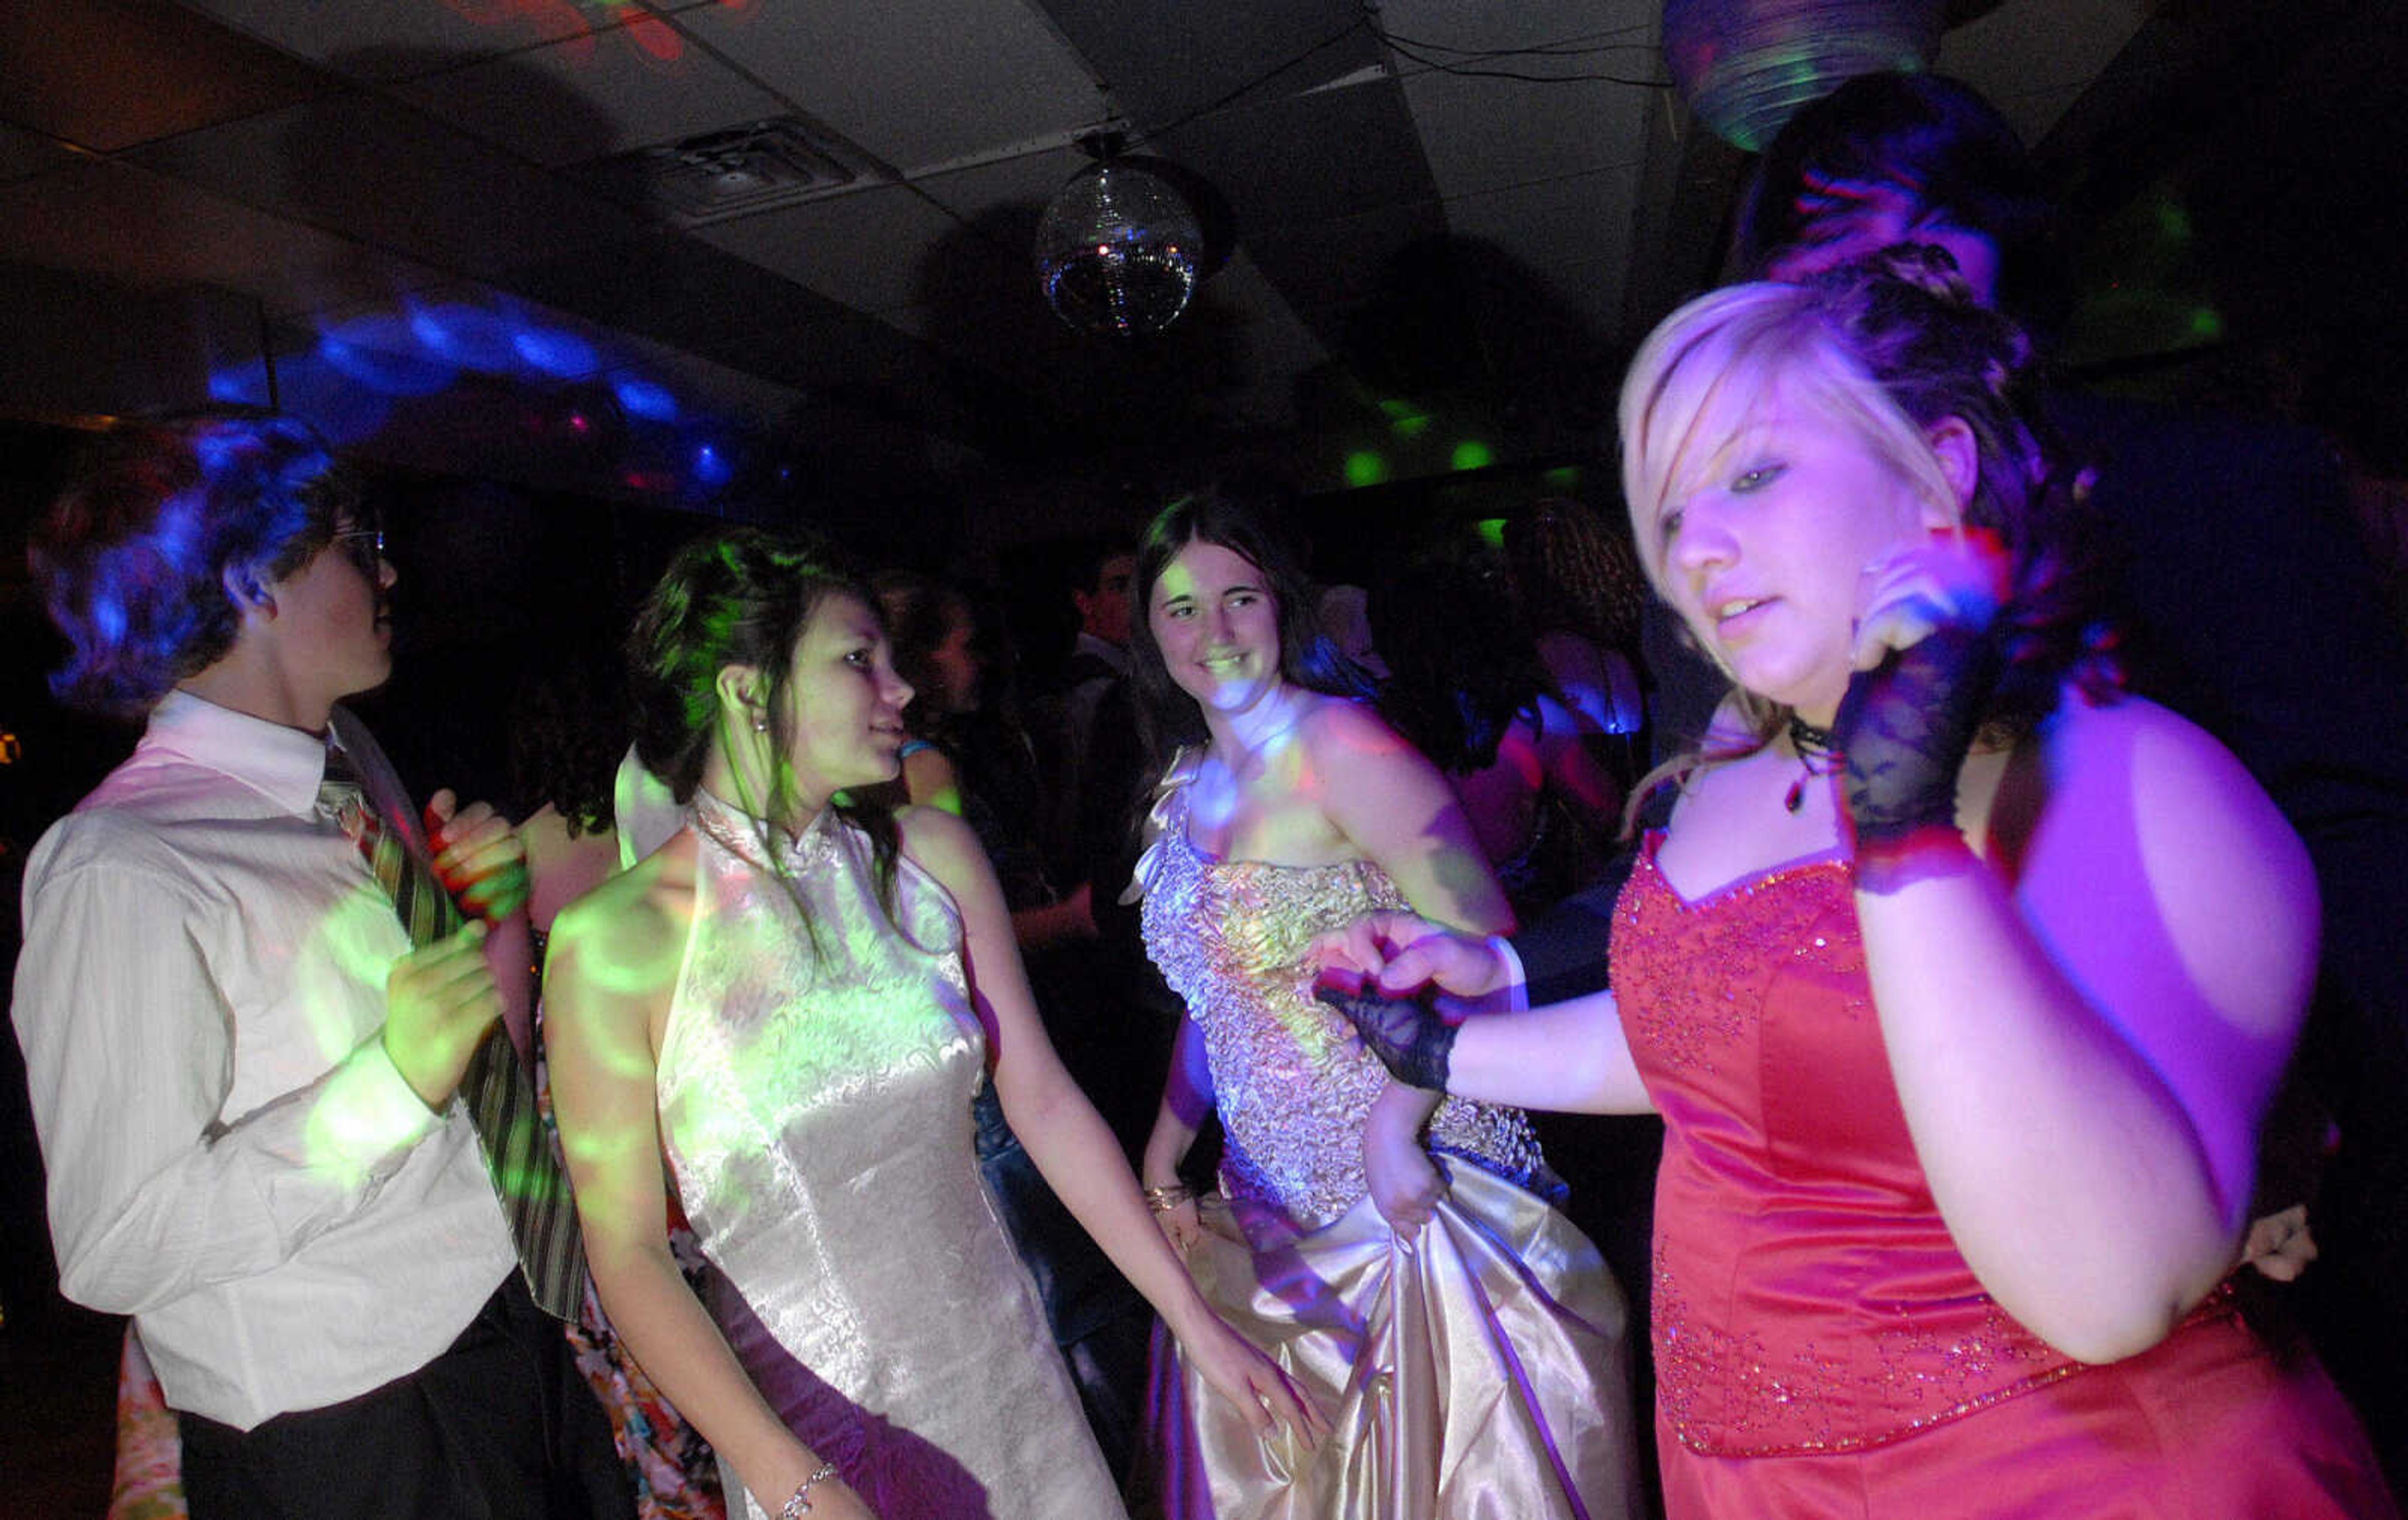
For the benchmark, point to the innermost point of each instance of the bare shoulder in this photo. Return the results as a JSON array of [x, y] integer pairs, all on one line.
[[2147, 831], [2175, 773], [617, 939], [1337, 734], [939, 843]]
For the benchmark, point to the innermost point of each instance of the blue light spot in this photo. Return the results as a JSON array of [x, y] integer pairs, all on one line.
[[554, 353], [642, 398]]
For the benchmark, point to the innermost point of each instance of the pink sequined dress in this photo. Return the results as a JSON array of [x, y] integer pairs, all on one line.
[[1476, 1373], [1821, 1347]]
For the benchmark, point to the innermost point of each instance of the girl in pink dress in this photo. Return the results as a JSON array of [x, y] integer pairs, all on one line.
[[1961, 982]]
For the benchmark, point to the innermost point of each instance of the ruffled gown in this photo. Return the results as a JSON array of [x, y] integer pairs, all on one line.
[[1822, 1349], [815, 1109], [1476, 1373]]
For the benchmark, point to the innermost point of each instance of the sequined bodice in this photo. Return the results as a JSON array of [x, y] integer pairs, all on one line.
[[1233, 940], [1807, 1295]]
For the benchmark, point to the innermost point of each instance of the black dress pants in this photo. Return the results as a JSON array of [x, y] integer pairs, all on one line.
[[500, 1426]]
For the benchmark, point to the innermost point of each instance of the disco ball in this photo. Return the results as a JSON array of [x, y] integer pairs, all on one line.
[[1120, 250], [1744, 67]]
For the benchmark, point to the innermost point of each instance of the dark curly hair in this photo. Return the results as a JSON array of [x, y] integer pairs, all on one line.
[[743, 597], [1461, 663], [162, 522], [1940, 143], [1574, 572], [1889, 346], [1168, 718]]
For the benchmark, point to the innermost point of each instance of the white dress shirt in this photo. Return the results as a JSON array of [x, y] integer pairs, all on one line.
[[233, 1158]]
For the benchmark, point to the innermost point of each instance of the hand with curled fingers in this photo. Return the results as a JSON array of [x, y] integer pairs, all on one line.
[[1249, 1380], [1387, 951], [440, 1000], [1925, 661], [1405, 1185], [2280, 1245], [478, 857]]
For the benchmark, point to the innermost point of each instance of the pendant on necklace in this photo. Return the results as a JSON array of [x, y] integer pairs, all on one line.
[[1797, 795]]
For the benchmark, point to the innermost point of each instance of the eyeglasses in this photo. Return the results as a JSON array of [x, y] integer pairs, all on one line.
[[364, 547]]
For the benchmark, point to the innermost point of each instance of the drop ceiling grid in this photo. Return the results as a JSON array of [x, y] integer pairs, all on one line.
[[2033, 58], [385, 40], [868, 250], [380, 172], [916, 82], [564, 104]]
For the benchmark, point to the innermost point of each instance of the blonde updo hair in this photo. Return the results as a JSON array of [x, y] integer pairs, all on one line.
[[1887, 347]]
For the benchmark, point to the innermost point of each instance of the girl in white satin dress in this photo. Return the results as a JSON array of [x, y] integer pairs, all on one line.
[[793, 1001]]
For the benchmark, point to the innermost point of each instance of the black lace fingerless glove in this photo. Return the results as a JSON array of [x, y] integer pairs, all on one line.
[[1407, 1034], [1904, 731]]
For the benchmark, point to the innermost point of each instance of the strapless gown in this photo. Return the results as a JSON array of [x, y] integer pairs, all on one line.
[[1821, 1347], [1477, 1374], [815, 1109]]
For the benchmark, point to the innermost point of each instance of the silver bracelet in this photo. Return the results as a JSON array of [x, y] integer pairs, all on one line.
[[799, 1504]]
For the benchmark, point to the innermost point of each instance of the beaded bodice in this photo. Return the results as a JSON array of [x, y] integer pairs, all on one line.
[[1808, 1295], [1234, 938]]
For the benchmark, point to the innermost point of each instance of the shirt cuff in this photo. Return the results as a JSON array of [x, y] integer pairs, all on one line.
[[369, 1116]]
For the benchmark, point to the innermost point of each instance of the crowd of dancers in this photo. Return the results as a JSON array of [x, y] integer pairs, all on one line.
[[831, 1173]]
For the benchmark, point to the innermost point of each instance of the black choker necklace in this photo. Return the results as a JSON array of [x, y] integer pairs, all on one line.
[[1816, 754]]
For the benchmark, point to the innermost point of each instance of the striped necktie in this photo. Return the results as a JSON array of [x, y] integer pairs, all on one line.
[[527, 1175]]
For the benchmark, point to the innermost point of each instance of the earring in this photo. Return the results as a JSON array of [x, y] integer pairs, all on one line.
[[760, 723]]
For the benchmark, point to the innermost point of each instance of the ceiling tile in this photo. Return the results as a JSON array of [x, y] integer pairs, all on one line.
[[1026, 180], [983, 74], [2033, 58], [1482, 134], [1300, 159], [572, 101], [1580, 217], [382, 173], [24, 153], [1614, 36], [676, 289], [871, 249], [125, 223], [382, 39], [1166, 59], [108, 74]]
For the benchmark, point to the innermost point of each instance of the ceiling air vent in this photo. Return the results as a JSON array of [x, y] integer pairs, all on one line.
[[735, 172]]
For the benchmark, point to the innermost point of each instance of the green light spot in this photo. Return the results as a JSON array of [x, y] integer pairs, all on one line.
[[1471, 454], [1491, 531], [1411, 428], [1366, 466], [1563, 476], [2206, 321]]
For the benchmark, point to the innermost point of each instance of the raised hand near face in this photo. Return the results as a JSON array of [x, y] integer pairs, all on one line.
[[1925, 660]]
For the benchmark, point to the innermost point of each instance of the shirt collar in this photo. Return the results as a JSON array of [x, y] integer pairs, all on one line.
[[283, 763], [1104, 650]]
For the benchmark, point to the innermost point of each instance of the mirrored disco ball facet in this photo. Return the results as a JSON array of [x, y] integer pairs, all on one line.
[[1118, 251]]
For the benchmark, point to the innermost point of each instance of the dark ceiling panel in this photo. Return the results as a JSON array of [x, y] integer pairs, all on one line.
[[1166, 59], [108, 74], [379, 172]]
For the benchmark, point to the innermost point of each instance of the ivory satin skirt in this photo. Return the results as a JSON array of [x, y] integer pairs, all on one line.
[[1478, 1372]]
